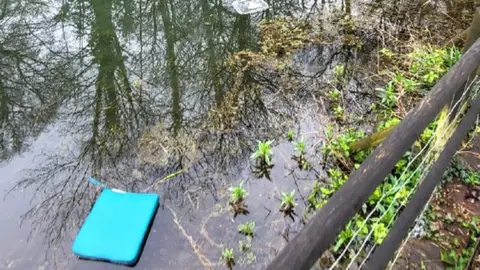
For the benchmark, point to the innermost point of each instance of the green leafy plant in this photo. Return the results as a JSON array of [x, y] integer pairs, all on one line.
[[334, 95], [237, 199], [263, 158], [419, 70], [300, 147], [288, 204], [290, 135], [388, 123], [455, 260], [380, 231], [245, 245], [473, 178], [250, 258], [340, 145], [344, 237], [237, 194], [389, 191], [428, 64], [264, 152], [451, 56], [247, 228], [339, 70], [338, 111], [403, 84], [448, 218], [387, 53], [314, 197], [455, 170], [300, 155], [387, 94], [228, 257]]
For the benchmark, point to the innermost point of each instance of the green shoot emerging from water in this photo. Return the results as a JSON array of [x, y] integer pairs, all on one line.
[[263, 159], [245, 245], [237, 194], [288, 204], [300, 157], [334, 94], [247, 228], [290, 135], [264, 152], [300, 147], [228, 257], [237, 199], [314, 197], [338, 112]]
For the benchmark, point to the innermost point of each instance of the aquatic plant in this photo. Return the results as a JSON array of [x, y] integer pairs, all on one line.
[[290, 135], [314, 196], [287, 204], [245, 245], [247, 228], [237, 199], [264, 152], [228, 257], [237, 194], [263, 158], [338, 111], [300, 147], [334, 95]]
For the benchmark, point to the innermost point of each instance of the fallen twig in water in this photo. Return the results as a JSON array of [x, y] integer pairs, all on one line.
[[269, 212], [204, 232], [204, 260], [165, 179]]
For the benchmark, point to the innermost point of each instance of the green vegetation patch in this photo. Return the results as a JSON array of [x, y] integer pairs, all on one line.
[[414, 75]]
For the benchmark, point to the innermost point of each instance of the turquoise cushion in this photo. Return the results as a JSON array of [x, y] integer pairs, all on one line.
[[116, 227]]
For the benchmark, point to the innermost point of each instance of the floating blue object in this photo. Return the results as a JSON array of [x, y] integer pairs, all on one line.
[[116, 227]]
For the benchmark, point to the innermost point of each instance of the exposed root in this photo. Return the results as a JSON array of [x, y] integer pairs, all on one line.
[[203, 259]]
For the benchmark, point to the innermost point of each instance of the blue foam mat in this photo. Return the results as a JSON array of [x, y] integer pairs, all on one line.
[[116, 227]]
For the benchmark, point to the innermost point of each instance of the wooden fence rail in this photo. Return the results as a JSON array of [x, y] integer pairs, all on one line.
[[381, 256], [322, 229]]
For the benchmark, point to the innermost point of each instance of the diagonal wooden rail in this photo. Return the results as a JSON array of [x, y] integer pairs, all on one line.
[[321, 231], [384, 252]]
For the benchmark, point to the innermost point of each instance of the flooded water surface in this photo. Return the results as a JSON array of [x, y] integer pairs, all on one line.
[[132, 92]]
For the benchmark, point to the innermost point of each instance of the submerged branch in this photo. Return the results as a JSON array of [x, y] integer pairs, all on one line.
[[203, 259]]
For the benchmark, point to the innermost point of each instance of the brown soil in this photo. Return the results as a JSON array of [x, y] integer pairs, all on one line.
[[453, 201], [454, 205]]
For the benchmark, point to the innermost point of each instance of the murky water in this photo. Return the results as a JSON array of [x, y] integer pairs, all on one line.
[[131, 91]]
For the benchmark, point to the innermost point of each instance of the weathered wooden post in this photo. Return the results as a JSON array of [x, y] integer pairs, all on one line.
[[472, 35]]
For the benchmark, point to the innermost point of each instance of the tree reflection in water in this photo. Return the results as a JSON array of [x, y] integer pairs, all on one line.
[[107, 72]]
